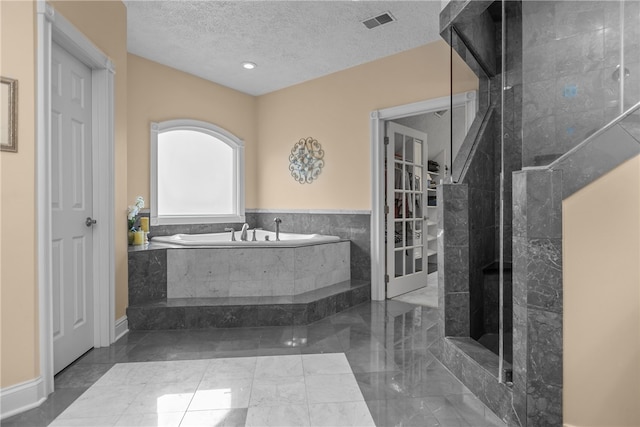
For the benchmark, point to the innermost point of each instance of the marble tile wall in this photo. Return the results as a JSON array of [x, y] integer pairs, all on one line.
[[215, 273], [476, 367], [537, 269], [537, 295], [355, 227], [253, 312], [147, 275], [569, 96], [453, 244]]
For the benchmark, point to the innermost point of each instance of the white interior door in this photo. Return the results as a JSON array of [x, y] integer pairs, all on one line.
[[71, 206], [406, 201]]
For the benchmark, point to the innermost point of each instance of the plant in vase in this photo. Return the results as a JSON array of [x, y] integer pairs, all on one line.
[[132, 216]]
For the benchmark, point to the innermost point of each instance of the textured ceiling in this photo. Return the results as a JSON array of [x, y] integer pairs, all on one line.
[[291, 41]]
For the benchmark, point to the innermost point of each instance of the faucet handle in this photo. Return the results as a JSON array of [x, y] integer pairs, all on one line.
[[253, 238], [233, 234], [277, 220]]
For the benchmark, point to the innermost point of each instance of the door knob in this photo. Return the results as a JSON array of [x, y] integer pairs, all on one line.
[[89, 221]]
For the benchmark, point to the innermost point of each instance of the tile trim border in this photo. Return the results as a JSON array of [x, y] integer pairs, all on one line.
[[22, 397], [313, 211]]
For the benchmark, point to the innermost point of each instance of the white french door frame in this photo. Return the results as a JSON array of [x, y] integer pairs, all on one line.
[[377, 122], [51, 28]]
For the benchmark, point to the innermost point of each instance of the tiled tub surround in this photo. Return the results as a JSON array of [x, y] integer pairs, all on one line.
[[354, 226], [178, 288], [255, 272]]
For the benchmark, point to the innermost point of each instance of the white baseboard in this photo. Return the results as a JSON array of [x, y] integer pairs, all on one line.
[[22, 397], [122, 327]]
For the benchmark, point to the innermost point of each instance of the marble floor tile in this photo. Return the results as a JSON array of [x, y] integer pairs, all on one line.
[[328, 363], [180, 371], [473, 410], [409, 360], [222, 393], [55, 404], [279, 366], [402, 412], [103, 402], [107, 355], [381, 343], [371, 361], [359, 338], [162, 398], [332, 388], [240, 367], [215, 418], [278, 416], [81, 375], [343, 414], [105, 421], [280, 391], [164, 419]]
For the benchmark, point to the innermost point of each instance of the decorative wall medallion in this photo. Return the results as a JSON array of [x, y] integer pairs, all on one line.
[[306, 160]]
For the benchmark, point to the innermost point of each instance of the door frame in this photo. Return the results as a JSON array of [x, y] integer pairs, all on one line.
[[53, 27], [377, 121]]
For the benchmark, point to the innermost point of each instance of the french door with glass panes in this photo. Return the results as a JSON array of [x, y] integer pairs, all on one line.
[[406, 198]]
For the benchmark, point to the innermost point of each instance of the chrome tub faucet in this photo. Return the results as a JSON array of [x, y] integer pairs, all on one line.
[[277, 221], [243, 233]]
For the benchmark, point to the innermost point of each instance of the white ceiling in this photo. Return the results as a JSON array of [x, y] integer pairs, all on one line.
[[291, 41]]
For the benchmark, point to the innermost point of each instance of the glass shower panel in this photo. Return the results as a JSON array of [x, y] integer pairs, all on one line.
[[630, 13], [566, 98], [457, 153]]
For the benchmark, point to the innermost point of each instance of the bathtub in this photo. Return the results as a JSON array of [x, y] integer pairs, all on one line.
[[263, 239], [212, 266]]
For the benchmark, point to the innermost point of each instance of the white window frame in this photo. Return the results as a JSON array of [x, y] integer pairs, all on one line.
[[236, 144]]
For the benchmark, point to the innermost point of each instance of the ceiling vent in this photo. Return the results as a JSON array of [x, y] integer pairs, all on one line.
[[385, 18]]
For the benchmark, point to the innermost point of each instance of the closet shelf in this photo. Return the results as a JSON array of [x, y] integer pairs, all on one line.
[[431, 252]]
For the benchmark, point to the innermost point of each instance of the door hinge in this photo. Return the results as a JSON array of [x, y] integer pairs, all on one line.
[[386, 140], [386, 278], [386, 210]]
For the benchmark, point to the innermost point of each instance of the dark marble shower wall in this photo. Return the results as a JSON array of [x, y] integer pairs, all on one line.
[[354, 226], [571, 51]]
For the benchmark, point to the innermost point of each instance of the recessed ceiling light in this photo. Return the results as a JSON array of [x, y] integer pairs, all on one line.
[[248, 65]]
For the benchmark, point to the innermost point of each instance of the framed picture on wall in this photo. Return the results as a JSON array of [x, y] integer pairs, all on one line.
[[8, 114]]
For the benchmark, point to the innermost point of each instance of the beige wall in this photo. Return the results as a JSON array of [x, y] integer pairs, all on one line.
[[18, 281], [601, 256], [104, 23], [335, 110], [158, 93]]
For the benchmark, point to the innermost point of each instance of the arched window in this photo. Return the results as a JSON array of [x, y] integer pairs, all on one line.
[[197, 174]]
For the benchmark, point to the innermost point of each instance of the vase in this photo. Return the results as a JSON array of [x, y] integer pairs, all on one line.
[[138, 238]]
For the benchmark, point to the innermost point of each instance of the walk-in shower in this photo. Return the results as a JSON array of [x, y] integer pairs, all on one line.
[[551, 75], [557, 108]]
